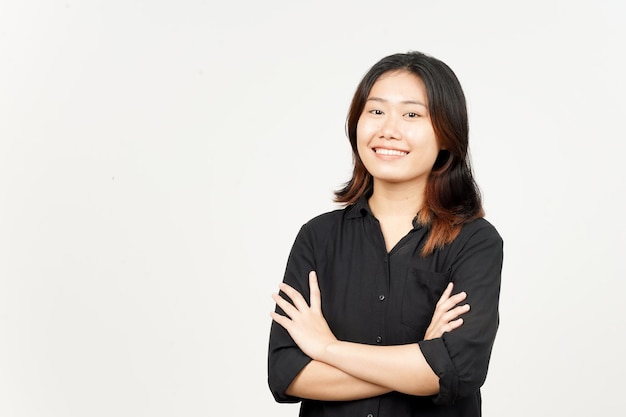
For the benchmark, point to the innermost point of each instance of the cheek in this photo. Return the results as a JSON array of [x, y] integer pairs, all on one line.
[[365, 129], [361, 149], [361, 137]]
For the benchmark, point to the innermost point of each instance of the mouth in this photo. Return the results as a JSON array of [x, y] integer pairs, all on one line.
[[390, 152]]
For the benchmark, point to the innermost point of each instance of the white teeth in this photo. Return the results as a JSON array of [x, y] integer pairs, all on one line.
[[389, 152]]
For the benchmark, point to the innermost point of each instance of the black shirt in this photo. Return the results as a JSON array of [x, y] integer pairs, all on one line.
[[377, 297]]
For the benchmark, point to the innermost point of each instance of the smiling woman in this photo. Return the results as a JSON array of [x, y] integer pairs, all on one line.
[[395, 137], [374, 317]]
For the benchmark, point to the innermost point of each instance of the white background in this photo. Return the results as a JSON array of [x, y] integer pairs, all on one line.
[[157, 159]]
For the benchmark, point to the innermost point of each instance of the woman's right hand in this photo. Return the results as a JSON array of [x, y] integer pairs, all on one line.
[[446, 316]]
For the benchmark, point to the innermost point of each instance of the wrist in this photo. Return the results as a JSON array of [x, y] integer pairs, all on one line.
[[329, 353]]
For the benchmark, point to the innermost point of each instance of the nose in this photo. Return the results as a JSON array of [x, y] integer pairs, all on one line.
[[389, 128]]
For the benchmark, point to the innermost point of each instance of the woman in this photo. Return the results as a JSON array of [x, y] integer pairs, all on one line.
[[374, 316]]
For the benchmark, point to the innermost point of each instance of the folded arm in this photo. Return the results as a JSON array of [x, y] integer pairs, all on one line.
[[345, 370], [320, 381]]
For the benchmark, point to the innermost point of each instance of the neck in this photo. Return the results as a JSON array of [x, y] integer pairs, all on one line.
[[396, 200]]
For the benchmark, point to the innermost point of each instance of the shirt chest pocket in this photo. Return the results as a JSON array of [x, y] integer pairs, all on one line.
[[422, 290]]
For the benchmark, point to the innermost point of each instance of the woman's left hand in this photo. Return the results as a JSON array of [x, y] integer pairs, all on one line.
[[306, 324], [447, 313]]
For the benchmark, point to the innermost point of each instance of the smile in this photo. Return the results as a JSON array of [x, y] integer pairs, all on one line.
[[392, 152]]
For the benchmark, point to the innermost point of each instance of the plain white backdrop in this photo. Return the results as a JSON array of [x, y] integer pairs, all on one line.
[[157, 159]]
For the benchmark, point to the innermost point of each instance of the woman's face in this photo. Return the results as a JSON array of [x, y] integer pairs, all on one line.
[[395, 136]]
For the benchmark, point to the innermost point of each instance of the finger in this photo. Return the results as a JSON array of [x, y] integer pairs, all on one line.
[[294, 295], [457, 298], [285, 305], [451, 302], [450, 326], [463, 309], [455, 313], [446, 313], [316, 301], [455, 324], [446, 293], [280, 319]]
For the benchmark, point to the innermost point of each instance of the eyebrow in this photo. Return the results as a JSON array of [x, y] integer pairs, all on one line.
[[382, 100]]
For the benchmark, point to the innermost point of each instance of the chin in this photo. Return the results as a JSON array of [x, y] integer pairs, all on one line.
[[390, 179]]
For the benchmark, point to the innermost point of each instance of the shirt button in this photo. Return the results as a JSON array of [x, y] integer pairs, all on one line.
[[381, 297], [379, 339]]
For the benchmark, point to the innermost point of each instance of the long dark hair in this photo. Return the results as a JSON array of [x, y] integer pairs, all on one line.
[[452, 197]]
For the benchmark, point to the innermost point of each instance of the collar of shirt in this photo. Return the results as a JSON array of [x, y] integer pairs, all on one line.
[[362, 209]]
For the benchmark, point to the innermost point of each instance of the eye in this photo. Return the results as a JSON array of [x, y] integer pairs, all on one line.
[[376, 112], [412, 115]]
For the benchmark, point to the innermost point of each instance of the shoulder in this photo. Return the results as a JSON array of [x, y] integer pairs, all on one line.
[[326, 222], [479, 231], [481, 227], [327, 225], [478, 246]]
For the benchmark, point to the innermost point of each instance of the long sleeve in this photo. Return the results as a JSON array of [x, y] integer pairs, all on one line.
[[285, 359], [461, 358]]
